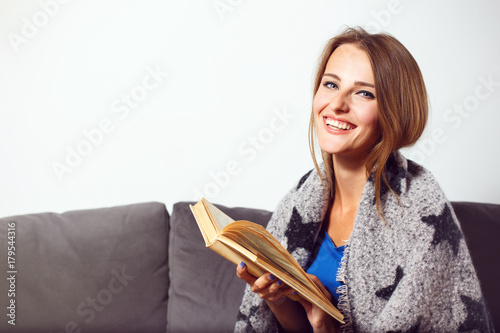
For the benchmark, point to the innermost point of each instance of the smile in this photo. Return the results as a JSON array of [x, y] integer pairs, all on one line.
[[338, 125]]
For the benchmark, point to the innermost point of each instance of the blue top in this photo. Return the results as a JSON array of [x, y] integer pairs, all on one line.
[[325, 263]]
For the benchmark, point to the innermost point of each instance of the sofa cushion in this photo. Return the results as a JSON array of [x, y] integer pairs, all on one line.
[[481, 227], [100, 270], [204, 294]]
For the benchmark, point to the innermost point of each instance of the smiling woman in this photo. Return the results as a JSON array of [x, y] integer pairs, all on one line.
[[373, 229], [401, 97]]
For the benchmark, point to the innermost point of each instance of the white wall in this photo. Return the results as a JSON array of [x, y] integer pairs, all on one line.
[[230, 90]]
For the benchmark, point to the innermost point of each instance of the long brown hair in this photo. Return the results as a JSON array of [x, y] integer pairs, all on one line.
[[401, 99]]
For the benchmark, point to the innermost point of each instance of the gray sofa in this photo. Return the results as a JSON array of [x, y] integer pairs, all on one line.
[[135, 268]]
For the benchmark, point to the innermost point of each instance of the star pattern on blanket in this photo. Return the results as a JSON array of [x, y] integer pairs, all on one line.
[[394, 175], [299, 234], [475, 316], [387, 292], [445, 229], [413, 168], [303, 180]]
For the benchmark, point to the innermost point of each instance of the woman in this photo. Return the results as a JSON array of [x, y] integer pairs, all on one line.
[[374, 227]]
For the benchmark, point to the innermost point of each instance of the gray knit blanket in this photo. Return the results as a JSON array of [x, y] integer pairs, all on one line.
[[411, 273]]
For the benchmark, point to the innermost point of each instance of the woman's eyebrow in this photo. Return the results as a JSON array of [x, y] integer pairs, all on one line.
[[335, 76], [357, 83], [362, 83]]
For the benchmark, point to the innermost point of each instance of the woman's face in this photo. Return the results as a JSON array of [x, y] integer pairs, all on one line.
[[345, 107]]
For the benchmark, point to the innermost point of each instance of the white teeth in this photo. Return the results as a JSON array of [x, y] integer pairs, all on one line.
[[336, 124]]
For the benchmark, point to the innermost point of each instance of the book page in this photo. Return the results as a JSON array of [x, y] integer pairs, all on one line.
[[219, 219], [204, 223], [259, 241]]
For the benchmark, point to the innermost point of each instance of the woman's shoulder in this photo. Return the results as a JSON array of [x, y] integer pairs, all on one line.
[[421, 183], [408, 178], [313, 177], [311, 184], [306, 198], [419, 194]]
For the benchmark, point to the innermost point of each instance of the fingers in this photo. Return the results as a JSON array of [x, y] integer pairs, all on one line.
[[271, 289], [267, 283], [318, 318], [242, 273], [266, 286]]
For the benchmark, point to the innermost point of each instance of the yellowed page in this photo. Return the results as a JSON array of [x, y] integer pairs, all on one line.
[[206, 226], [218, 218], [261, 249], [266, 246]]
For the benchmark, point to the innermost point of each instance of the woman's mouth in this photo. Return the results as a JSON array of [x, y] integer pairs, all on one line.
[[338, 125]]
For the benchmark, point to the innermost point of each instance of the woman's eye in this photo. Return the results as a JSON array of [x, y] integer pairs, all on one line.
[[367, 94], [330, 85]]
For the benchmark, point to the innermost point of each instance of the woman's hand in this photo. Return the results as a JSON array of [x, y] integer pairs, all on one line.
[[290, 314], [319, 319], [266, 286]]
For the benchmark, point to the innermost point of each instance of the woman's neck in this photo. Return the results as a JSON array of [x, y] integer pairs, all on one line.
[[350, 180]]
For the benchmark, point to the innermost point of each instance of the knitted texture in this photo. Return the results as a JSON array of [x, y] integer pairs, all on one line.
[[411, 273]]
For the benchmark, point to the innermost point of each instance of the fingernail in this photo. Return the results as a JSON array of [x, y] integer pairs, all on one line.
[[279, 282], [271, 277], [242, 264], [294, 292]]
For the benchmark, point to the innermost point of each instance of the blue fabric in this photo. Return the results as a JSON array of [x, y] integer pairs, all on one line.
[[325, 263]]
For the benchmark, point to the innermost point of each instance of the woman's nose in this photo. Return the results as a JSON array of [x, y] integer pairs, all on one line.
[[339, 102]]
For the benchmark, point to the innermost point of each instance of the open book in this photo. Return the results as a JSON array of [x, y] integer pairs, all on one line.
[[246, 241]]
